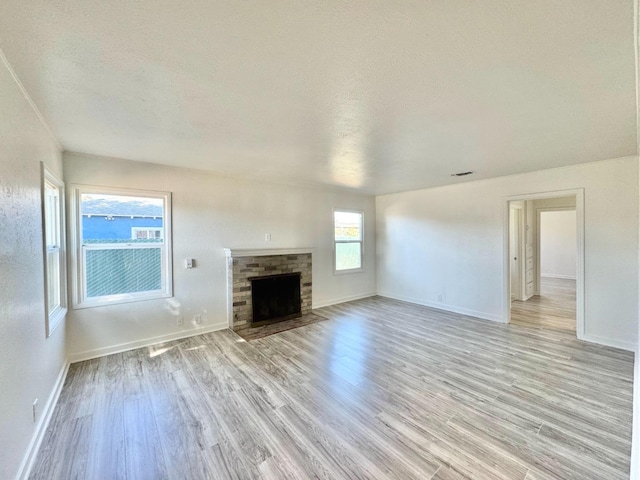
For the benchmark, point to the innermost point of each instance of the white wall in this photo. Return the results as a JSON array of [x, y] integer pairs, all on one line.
[[566, 203], [449, 241], [30, 364], [558, 244], [210, 213]]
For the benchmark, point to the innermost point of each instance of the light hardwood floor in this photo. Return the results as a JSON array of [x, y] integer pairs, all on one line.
[[383, 390], [554, 308]]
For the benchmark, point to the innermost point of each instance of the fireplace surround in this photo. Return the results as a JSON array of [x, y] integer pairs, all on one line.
[[243, 265], [275, 298]]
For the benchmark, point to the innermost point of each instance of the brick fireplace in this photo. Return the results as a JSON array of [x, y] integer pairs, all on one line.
[[246, 264]]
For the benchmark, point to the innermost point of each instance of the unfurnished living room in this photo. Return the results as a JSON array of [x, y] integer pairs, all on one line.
[[319, 240]]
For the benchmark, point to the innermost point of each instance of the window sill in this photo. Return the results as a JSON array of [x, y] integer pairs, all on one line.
[[55, 319], [347, 272], [120, 299]]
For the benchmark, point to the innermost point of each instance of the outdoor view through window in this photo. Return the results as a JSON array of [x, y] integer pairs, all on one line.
[[122, 244], [348, 240]]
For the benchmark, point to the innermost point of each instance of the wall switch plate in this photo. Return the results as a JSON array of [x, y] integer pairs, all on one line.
[[189, 263], [267, 237]]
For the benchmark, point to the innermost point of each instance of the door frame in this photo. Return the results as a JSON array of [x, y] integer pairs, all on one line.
[[506, 281]]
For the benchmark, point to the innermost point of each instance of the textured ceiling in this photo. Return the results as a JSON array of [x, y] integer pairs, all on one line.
[[379, 96]]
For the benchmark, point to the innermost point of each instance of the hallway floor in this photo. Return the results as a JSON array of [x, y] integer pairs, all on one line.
[[554, 308]]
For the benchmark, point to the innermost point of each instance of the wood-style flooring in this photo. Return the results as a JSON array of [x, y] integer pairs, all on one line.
[[554, 308], [383, 390]]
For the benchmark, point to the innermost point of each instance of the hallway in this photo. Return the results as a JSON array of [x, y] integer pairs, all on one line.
[[554, 308]]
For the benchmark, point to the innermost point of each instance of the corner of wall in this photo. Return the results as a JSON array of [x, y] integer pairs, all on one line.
[[34, 445]]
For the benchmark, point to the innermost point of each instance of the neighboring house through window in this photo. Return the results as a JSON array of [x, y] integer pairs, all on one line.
[[123, 245], [54, 250], [348, 243], [138, 233]]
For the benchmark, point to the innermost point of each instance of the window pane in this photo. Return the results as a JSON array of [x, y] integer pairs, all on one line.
[[348, 256], [348, 226], [52, 215], [121, 224], [53, 280], [112, 271], [113, 218]]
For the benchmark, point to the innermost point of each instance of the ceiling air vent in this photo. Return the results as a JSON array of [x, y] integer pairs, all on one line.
[[463, 174]]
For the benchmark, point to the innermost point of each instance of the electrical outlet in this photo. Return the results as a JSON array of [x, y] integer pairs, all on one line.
[[180, 321], [267, 237], [197, 319], [439, 297], [35, 410]]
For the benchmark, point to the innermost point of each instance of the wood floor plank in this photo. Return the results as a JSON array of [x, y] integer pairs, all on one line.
[[143, 452], [383, 389]]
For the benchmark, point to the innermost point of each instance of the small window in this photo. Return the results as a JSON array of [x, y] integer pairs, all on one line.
[[123, 245], [54, 250], [348, 248]]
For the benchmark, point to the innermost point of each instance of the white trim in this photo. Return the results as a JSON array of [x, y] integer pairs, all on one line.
[[78, 290], [610, 342], [263, 252], [32, 450], [445, 307], [348, 298], [578, 193], [146, 342], [55, 317], [555, 275]]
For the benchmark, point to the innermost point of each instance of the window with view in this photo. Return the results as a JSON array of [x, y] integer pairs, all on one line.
[[348, 240], [54, 252], [123, 245]]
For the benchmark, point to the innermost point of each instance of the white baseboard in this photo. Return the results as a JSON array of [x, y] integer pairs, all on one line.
[[554, 275], [27, 462], [348, 298], [445, 307], [610, 342], [146, 342]]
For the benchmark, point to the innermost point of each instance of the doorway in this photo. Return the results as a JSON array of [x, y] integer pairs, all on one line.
[[544, 269], [557, 240]]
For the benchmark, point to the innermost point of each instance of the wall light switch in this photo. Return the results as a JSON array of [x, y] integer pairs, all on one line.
[[267, 237], [189, 263]]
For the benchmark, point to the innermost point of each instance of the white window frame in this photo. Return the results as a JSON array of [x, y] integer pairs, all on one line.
[[335, 242], [55, 315], [79, 298]]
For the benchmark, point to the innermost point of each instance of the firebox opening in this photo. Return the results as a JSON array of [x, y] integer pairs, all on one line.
[[275, 298]]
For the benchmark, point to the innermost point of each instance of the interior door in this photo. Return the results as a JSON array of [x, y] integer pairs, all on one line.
[[514, 251]]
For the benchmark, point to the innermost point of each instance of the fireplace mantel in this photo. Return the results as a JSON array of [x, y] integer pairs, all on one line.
[[263, 252]]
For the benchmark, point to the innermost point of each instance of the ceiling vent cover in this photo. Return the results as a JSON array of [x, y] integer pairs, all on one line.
[[463, 174]]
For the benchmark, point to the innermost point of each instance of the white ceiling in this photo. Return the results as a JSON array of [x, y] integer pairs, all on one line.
[[380, 96]]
